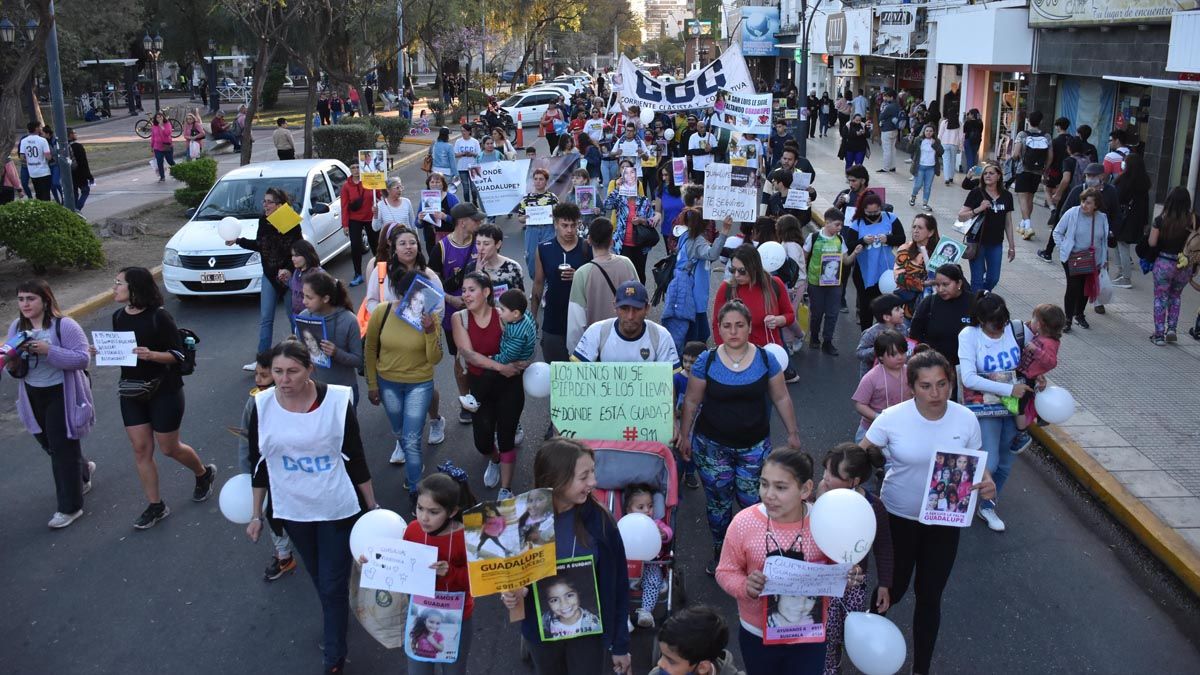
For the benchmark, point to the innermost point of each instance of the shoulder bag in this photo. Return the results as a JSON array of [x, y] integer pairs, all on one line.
[[1080, 263]]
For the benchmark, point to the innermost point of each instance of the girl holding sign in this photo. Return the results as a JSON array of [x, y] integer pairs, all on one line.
[[589, 548], [909, 435]]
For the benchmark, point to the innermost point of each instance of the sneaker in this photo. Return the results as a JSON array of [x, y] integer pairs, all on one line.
[[644, 618], [691, 481], [437, 430], [204, 484], [845, 309], [1067, 328], [1122, 282], [279, 567], [1045, 256], [912, 201], [465, 416], [469, 402], [829, 349], [491, 475], [1158, 340], [927, 207], [152, 514], [893, 169], [249, 367], [503, 494], [520, 435], [993, 521], [1172, 337], [398, 457], [790, 376], [1021, 442], [1099, 310], [357, 280], [1195, 333], [60, 520], [1082, 321], [1028, 234], [881, 170], [87, 485], [949, 182]]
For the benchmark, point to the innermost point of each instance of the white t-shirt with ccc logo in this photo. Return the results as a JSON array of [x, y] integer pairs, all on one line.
[[36, 151]]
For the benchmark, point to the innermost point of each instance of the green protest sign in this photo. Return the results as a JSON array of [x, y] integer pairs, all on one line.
[[612, 401]]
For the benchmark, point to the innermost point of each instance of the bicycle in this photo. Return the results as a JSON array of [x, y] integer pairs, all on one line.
[[144, 126]]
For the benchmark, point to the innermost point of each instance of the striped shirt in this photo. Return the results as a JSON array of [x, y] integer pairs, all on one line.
[[517, 340]]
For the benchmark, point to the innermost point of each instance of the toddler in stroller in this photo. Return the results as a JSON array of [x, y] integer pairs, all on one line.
[[639, 498]]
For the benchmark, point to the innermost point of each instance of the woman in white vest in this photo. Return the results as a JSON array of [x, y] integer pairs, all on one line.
[[306, 451]]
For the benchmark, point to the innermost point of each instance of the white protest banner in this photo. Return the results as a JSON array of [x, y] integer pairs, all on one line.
[[114, 348], [797, 199], [500, 185], [615, 401], [729, 72], [748, 113], [539, 215], [401, 567], [729, 191], [786, 576]]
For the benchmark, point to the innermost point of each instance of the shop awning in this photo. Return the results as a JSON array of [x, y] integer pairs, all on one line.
[[1182, 85]]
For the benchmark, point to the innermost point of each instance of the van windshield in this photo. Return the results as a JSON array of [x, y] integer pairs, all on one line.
[[242, 199]]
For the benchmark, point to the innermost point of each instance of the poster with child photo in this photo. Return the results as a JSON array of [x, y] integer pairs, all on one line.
[[421, 298], [510, 543], [793, 619], [568, 603], [312, 332], [950, 496], [434, 627]]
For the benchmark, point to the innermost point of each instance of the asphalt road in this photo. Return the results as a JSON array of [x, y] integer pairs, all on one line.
[[1064, 590]]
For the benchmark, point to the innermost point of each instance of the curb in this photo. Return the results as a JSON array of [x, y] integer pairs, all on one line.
[[100, 299], [1162, 540]]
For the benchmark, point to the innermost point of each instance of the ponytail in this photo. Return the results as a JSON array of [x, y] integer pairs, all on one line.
[[325, 285]]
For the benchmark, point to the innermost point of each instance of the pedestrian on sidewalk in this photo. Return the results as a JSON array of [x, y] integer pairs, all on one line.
[[1169, 235], [193, 133], [151, 392], [56, 192], [323, 110], [951, 135], [81, 171], [313, 423], [1082, 233], [1093, 178], [1133, 193], [1032, 153], [926, 162], [281, 138], [879, 232], [35, 152], [889, 128], [995, 204], [972, 134], [54, 394], [855, 147]]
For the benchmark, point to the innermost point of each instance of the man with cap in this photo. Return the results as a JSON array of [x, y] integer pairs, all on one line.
[[222, 132], [629, 337]]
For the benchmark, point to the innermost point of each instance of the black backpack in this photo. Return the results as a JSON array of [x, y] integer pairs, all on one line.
[[789, 273], [1036, 152], [185, 358]]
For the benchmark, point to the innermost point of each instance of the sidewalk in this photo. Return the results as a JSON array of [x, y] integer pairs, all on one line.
[[1133, 440]]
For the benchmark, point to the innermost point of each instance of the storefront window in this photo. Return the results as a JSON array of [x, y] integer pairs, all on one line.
[[1185, 129], [1133, 111], [1011, 91]]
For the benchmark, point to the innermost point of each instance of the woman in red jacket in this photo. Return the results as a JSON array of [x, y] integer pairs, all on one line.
[[765, 295], [357, 202]]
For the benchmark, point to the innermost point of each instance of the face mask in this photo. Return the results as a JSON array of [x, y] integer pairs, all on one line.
[[1092, 182], [873, 218]]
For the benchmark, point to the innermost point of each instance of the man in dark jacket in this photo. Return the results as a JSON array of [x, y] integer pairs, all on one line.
[[81, 173]]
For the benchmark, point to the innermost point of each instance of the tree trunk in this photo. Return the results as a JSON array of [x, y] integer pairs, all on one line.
[[12, 101], [262, 62], [310, 106]]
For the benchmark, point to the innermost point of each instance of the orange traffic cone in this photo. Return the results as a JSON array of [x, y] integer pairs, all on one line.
[[520, 133]]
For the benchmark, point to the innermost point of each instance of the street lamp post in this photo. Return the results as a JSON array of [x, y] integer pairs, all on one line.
[[153, 47], [802, 94], [214, 96]]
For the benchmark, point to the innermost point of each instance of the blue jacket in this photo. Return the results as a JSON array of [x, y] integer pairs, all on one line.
[[443, 156], [612, 581]]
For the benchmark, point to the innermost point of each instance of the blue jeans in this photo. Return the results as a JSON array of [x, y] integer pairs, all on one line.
[[985, 268], [82, 190], [997, 434], [406, 406], [949, 161], [468, 188], [268, 299], [763, 659], [923, 181], [324, 548], [534, 235], [855, 158], [970, 155], [161, 156]]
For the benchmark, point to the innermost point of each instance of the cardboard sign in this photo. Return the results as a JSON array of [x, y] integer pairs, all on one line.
[[114, 348], [612, 401], [729, 191], [284, 218], [510, 543]]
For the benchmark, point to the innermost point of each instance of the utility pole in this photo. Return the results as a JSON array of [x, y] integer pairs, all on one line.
[[63, 153], [400, 47], [801, 134], [614, 59]]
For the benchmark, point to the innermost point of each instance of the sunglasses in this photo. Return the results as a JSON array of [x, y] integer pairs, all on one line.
[[738, 271]]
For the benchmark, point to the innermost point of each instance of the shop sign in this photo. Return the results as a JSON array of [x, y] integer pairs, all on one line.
[[699, 28], [846, 66], [897, 31], [859, 32], [835, 33], [759, 26], [1062, 13]]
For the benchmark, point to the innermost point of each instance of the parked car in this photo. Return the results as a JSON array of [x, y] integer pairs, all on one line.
[[531, 104], [508, 76], [196, 262]]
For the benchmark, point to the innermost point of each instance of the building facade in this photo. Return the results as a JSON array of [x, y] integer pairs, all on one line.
[[664, 17]]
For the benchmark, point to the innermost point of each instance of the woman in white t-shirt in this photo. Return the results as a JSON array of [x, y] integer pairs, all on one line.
[[908, 435], [988, 354], [926, 162], [394, 209]]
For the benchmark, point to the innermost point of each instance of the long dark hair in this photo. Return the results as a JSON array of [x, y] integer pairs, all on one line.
[[305, 249], [397, 270], [50, 310], [932, 226], [667, 186], [449, 493], [143, 290], [324, 284], [1134, 177], [1177, 216], [554, 468], [748, 256]]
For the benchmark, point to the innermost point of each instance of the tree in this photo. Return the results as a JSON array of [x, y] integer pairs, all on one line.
[[307, 46], [535, 19], [17, 67]]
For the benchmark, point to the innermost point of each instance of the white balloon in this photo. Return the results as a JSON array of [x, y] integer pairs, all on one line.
[[229, 228], [537, 380], [779, 354], [874, 644], [237, 499], [669, 134], [640, 536], [647, 116], [1055, 404], [374, 526], [843, 525], [733, 242], [887, 281], [773, 255]]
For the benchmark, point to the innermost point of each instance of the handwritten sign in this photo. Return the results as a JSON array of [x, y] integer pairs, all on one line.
[[500, 185], [400, 567], [612, 401], [796, 199], [114, 348], [539, 215], [729, 191], [786, 576]]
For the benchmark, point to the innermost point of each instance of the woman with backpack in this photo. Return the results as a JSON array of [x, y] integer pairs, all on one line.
[[54, 397], [151, 391], [1170, 234], [685, 310]]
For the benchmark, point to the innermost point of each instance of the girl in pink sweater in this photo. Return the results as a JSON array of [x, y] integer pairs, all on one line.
[[161, 144], [777, 526]]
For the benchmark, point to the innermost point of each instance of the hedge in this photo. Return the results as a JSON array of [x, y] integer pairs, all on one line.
[[47, 234], [343, 141], [394, 129], [199, 175]]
